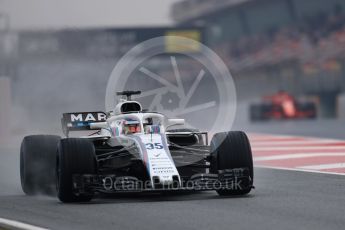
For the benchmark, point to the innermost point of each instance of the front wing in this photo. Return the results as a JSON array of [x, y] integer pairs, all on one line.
[[233, 179]]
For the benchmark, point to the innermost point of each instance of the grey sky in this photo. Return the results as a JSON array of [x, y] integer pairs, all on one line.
[[42, 14]]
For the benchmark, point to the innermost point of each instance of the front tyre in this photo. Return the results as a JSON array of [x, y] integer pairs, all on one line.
[[76, 156], [231, 150]]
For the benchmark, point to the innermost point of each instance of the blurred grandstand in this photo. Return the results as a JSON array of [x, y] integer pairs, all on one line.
[[276, 44]]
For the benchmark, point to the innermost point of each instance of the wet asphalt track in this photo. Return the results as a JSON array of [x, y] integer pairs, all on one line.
[[281, 200]]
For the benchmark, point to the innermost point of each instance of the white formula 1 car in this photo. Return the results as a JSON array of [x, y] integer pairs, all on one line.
[[133, 151]]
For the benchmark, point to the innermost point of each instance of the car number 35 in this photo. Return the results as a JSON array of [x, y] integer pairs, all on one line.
[[151, 146]]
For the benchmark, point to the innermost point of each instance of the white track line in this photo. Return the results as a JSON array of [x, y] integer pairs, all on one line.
[[299, 170], [296, 156], [298, 148], [292, 143], [324, 166], [18, 225]]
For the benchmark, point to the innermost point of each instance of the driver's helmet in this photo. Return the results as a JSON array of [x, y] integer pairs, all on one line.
[[131, 126]]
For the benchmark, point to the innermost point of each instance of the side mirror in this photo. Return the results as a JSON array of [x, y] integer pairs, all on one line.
[[173, 122], [99, 125]]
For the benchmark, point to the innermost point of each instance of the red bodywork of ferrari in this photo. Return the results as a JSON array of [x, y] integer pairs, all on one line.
[[285, 105], [282, 105]]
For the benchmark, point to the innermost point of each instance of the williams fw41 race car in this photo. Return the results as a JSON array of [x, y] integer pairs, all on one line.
[[133, 150], [281, 106]]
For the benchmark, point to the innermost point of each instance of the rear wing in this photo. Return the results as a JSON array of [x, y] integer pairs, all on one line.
[[80, 121]]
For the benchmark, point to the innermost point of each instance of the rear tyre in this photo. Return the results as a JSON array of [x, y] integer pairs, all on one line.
[[75, 156], [230, 150], [37, 164]]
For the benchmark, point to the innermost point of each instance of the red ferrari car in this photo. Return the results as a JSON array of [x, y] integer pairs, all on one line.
[[282, 105]]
